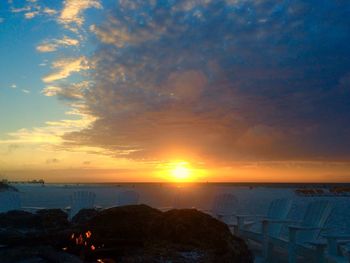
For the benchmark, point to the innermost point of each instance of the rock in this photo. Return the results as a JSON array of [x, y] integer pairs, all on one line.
[[125, 222], [139, 233], [19, 220], [20, 228], [37, 254], [43, 219], [135, 233], [84, 216], [53, 218], [7, 187], [194, 230]]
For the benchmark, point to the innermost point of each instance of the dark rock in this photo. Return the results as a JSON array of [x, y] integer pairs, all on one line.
[[53, 218], [46, 227], [192, 229], [7, 187], [37, 254], [84, 216], [43, 219], [125, 222], [19, 220], [135, 233], [139, 233]]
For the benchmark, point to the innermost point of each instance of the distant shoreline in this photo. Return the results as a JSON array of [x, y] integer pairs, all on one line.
[[243, 184]]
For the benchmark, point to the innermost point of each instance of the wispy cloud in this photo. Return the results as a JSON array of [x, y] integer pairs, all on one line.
[[70, 91], [72, 13], [25, 91], [53, 45], [65, 67], [32, 9]]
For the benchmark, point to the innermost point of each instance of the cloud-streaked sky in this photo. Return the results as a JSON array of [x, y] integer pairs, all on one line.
[[242, 90]]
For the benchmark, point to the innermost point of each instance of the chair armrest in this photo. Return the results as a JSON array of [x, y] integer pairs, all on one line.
[[278, 221], [334, 241], [338, 237], [305, 228], [250, 216]]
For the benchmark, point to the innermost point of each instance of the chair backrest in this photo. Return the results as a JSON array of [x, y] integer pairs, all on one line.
[[225, 204], [128, 198], [81, 200], [9, 200], [316, 215], [278, 210]]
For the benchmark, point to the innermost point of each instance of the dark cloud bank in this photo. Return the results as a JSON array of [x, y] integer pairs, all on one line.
[[222, 80]]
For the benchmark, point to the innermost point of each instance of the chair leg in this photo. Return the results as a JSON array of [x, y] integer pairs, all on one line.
[[267, 246], [320, 253], [292, 255]]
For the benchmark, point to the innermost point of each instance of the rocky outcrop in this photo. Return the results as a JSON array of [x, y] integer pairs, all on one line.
[[83, 216], [136, 233], [185, 235], [7, 187]]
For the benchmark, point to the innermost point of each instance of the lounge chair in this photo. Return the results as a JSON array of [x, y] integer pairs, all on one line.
[[278, 210], [81, 200], [9, 200], [338, 247], [224, 207], [303, 236]]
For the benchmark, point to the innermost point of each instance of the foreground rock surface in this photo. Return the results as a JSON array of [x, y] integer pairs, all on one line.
[[135, 233]]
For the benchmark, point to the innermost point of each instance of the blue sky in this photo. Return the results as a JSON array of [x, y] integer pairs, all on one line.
[[218, 84]]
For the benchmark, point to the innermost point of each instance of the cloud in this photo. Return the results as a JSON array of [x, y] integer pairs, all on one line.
[[51, 134], [72, 91], [220, 81], [1, 20], [52, 161], [26, 91], [32, 9], [72, 12], [31, 15], [49, 11], [65, 67], [13, 86], [53, 45]]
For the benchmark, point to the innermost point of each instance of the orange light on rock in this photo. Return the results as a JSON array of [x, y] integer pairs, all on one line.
[[88, 234]]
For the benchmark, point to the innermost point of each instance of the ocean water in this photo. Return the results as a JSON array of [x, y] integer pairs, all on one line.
[[251, 199]]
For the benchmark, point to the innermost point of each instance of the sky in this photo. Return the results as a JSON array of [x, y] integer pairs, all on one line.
[[131, 90]]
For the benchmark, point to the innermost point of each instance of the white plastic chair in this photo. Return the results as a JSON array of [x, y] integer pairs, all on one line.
[[225, 207], [81, 200], [303, 236], [278, 210]]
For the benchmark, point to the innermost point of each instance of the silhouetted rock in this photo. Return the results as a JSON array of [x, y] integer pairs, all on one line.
[[53, 218], [84, 215], [43, 219], [7, 187], [19, 220], [36, 254], [135, 233], [139, 233]]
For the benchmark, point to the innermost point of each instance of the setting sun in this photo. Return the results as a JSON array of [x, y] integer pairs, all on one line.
[[181, 172]]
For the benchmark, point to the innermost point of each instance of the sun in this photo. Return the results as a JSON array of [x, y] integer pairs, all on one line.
[[181, 172]]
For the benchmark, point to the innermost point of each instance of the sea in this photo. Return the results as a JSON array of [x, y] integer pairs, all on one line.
[[253, 198]]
